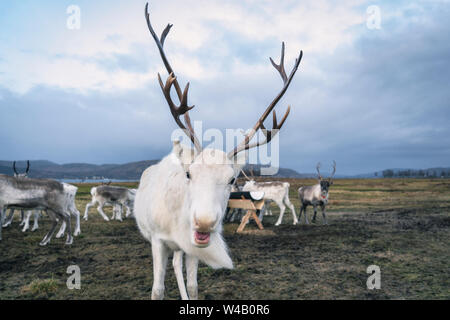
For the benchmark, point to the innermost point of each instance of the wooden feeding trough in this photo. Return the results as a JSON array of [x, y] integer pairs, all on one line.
[[250, 201]]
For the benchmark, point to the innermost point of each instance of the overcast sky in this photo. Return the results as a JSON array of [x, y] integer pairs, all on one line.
[[370, 98]]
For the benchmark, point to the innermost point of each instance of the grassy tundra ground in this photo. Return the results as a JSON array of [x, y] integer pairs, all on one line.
[[400, 225]]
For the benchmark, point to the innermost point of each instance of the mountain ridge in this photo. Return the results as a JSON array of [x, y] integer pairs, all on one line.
[[133, 170]]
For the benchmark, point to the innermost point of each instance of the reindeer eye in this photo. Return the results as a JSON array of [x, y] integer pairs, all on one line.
[[188, 175], [232, 181]]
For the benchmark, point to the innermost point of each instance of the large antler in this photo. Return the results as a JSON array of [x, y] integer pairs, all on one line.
[[183, 108], [334, 171], [28, 167], [14, 168], [318, 170], [269, 134]]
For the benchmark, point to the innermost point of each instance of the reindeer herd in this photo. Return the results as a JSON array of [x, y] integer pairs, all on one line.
[[181, 201]]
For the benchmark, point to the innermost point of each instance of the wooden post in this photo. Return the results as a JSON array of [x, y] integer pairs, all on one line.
[[252, 207]]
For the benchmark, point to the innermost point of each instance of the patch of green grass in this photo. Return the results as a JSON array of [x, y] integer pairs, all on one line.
[[39, 288]]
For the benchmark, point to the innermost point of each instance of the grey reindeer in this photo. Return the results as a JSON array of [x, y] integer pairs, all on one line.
[[37, 194], [119, 197], [24, 220], [316, 195]]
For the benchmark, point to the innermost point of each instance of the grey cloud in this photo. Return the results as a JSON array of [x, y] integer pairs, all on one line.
[[380, 102]]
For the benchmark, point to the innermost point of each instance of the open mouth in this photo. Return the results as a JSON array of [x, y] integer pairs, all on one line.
[[202, 237]]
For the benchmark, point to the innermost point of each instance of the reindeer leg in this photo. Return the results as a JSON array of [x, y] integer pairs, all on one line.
[[233, 215], [282, 208], [291, 207], [76, 213], [119, 211], [86, 211], [300, 213], [128, 210], [36, 220], [66, 218], [306, 216], [100, 210], [22, 218], [114, 212], [49, 235], [62, 229], [191, 275], [160, 255], [178, 268], [323, 214], [315, 213], [26, 224], [9, 219]]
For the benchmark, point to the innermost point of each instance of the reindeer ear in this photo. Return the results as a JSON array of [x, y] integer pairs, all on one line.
[[177, 149], [184, 154]]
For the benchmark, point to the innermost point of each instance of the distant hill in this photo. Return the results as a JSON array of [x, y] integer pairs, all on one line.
[[133, 171], [127, 171], [255, 170], [47, 169]]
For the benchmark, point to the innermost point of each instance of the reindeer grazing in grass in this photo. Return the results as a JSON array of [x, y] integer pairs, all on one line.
[[316, 195], [119, 197], [181, 200], [37, 194], [25, 220]]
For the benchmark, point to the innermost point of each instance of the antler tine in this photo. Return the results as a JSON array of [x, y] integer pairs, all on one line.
[[183, 108], [246, 177], [165, 33], [280, 67], [28, 166], [334, 170], [318, 170], [244, 145], [269, 134], [14, 167]]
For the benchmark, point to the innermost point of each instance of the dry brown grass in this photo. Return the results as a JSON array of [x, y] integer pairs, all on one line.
[[400, 225]]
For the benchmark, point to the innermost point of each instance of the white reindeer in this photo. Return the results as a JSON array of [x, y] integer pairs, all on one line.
[[70, 192], [118, 197], [316, 195], [275, 191], [181, 200]]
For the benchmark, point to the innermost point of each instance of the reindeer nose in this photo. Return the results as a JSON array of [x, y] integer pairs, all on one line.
[[204, 223]]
